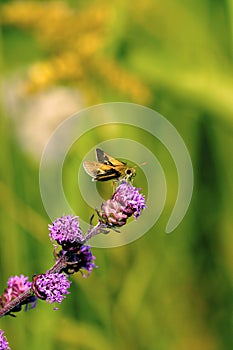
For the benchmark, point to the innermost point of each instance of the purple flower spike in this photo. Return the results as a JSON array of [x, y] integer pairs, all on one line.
[[4, 345], [51, 287], [66, 232]]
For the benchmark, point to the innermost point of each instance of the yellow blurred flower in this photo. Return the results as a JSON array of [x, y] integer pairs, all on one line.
[[75, 42]]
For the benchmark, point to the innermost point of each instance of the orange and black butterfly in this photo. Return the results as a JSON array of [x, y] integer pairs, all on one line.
[[108, 168]]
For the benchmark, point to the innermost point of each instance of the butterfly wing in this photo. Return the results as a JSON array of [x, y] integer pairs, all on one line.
[[104, 158], [91, 168], [100, 171]]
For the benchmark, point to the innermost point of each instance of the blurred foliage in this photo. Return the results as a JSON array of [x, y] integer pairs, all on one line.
[[163, 291]]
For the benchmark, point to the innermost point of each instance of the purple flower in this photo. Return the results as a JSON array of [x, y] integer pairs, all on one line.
[[86, 259], [130, 197], [125, 202], [51, 287], [66, 232], [113, 213], [80, 260], [17, 285], [3, 342]]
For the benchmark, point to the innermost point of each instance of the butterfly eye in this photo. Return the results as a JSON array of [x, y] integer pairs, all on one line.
[[128, 172]]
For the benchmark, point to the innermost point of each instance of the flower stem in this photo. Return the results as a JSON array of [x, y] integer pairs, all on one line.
[[59, 265], [13, 303], [93, 231]]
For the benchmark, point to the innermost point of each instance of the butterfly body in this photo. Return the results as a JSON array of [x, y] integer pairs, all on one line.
[[108, 168]]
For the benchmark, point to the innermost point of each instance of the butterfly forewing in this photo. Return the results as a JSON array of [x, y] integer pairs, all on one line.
[[103, 157]]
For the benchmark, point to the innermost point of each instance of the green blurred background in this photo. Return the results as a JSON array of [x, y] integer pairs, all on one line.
[[163, 292]]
